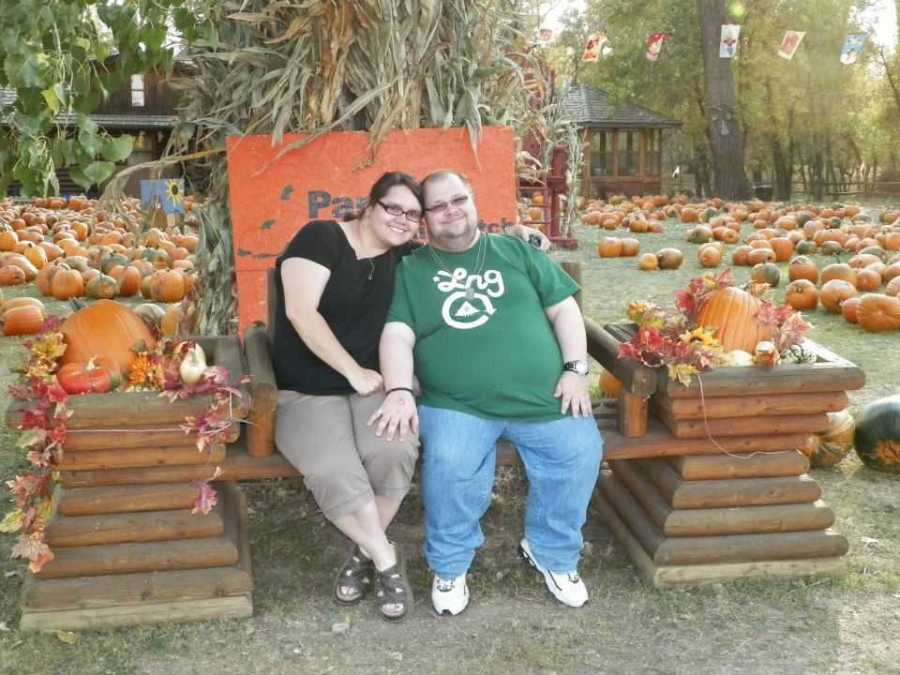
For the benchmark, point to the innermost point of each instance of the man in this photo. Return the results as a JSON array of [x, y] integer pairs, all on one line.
[[499, 347]]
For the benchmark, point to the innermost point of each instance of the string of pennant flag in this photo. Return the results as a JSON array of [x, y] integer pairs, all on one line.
[[598, 45]]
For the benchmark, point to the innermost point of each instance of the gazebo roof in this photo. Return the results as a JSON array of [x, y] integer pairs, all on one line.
[[589, 106]]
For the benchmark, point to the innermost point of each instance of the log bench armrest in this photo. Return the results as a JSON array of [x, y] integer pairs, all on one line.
[[263, 392], [635, 377]]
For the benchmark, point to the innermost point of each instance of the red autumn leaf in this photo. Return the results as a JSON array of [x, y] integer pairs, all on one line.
[[207, 497]]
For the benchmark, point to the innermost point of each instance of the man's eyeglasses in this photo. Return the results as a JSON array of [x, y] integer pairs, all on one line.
[[441, 207], [413, 214]]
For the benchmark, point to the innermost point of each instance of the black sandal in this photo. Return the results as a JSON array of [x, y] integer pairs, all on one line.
[[393, 589], [357, 575]]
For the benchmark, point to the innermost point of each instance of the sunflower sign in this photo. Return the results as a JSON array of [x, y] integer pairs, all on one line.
[[167, 193]]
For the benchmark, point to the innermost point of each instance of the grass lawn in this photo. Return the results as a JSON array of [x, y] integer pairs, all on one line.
[[845, 625]]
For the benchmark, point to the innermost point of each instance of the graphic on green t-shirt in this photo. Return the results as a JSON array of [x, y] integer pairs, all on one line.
[[484, 344]]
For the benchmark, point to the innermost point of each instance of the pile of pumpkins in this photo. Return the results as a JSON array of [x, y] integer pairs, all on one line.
[[74, 249]]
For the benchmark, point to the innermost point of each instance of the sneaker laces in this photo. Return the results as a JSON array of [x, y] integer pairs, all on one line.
[[444, 585]]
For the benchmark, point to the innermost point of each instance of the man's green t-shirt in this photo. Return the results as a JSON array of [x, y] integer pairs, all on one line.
[[484, 345]]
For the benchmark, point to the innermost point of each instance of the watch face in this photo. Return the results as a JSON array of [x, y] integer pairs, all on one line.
[[577, 367]]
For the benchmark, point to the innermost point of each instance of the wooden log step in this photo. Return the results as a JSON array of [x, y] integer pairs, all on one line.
[[673, 576], [127, 499], [120, 528], [659, 442], [750, 406], [744, 465], [160, 474], [786, 378], [704, 494], [141, 457], [732, 548], [140, 557], [134, 436], [744, 426], [115, 616], [733, 520]]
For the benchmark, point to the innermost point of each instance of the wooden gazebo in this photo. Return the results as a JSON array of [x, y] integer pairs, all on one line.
[[622, 142]]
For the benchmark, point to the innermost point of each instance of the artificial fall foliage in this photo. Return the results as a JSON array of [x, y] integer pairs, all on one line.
[[671, 337], [43, 426]]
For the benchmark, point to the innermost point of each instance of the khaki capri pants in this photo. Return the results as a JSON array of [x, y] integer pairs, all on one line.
[[343, 463]]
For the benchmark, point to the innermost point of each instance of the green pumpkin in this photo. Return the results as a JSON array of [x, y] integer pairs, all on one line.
[[877, 437], [799, 354], [766, 273], [835, 443], [806, 247]]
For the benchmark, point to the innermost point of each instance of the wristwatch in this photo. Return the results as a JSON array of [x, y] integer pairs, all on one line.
[[577, 367]]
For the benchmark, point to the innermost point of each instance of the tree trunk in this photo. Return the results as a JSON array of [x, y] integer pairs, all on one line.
[[723, 126]]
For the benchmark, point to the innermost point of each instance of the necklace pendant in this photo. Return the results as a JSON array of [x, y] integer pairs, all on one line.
[[470, 293]]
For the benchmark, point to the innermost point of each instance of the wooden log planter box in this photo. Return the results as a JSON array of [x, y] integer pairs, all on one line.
[[727, 494], [128, 550]]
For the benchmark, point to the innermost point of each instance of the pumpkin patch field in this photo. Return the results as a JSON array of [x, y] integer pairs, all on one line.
[[842, 624]]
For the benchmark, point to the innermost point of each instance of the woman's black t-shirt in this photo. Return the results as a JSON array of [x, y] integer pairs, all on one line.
[[354, 304]]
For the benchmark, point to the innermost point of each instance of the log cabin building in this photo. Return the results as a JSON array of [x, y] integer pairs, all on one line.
[[622, 142]]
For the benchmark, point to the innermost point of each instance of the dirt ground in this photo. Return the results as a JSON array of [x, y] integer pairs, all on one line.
[[849, 624]]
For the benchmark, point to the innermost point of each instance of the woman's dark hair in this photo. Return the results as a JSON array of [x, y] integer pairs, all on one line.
[[383, 185]]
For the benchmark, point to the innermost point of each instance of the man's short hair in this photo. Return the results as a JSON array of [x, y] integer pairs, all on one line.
[[445, 173]]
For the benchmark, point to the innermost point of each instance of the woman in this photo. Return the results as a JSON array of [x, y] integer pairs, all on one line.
[[334, 286]]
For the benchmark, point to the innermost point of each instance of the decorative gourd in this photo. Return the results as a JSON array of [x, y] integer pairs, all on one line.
[[800, 354], [105, 328], [834, 292], [193, 365], [733, 313], [877, 437], [737, 358], [835, 443], [878, 313], [802, 294]]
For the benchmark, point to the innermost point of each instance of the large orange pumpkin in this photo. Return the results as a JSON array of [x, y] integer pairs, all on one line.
[[834, 292], [802, 294], [878, 313], [105, 328], [733, 313]]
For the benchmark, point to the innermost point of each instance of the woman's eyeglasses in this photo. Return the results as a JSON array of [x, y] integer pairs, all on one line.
[[456, 203], [413, 214]]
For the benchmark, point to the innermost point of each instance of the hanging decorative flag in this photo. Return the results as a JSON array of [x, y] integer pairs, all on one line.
[[853, 46], [595, 45], [655, 44], [729, 41], [789, 44]]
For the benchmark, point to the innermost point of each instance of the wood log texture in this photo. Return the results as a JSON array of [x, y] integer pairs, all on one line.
[[632, 414], [704, 494], [750, 406], [744, 426], [135, 436], [674, 576], [115, 616], [126, 499], [263, 392], [734, 548], [121, 528], [140, 557], [141, 457], [747, 465], [732, 520]]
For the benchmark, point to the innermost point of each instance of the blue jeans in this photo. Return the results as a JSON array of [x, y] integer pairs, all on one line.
[[562, 462]]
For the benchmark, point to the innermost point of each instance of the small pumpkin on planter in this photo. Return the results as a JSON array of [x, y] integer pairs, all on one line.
[[87, 378], [877, 436]]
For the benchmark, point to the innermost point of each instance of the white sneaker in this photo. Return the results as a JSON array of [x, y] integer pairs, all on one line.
[[449, 596], [567, 587]]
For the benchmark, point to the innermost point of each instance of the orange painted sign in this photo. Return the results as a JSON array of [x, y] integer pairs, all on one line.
[[271, 200]]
